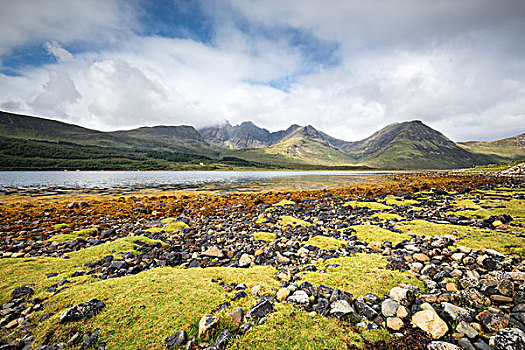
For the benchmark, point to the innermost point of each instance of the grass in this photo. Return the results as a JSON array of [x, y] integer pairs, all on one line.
[[264, 236], [385, 216], [361, 274], [291, 221], [323, 242], [283, 203], [373, 233], [69, 237], [60, 226], [392, 200], [474, 237], [16, 272], [171, 226], [370, 205]]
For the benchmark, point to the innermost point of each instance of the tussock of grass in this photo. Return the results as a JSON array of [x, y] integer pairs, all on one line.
[[264, 236], [323, 242], [168, 220], [170, 227], [475, 237], [373, 233], [69, 237], [370, 205], [284, 202], [392, 200], [291, 221], [385, 216], [16, 272], [60, 226], [360, 274]]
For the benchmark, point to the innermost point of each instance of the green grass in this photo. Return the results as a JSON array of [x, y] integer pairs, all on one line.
[[370, 205], [69, 237], [323, 242], [392, 200], [16, 272], [171, 226], [474, 237], [361, 274], [373, 233], [283, 203], [60, 226], [385, 216], [264, 236], [291, 221]]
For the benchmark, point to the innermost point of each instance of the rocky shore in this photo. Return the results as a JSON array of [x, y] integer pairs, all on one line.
[[426, 262]]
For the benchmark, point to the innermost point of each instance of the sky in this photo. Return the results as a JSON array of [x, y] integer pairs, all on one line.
[[346, 67]]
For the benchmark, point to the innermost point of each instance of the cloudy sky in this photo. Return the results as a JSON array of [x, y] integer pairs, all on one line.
[[346, 67]]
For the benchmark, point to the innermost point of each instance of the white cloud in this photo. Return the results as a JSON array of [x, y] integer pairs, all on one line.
[[457, 66], [60, 54]]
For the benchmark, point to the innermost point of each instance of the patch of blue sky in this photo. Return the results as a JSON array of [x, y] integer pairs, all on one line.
[[174, 19], [22, 57]]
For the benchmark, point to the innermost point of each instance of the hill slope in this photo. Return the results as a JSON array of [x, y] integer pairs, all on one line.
[[507, 149]]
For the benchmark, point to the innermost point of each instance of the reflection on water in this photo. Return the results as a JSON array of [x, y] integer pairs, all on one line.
[[52, 182]]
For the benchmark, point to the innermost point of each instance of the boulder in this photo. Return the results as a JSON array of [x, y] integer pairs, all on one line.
[[441, 345], [431, 323], [207, 327], [83, 310], [19, 292], [175, 340], [389, 307], [509, 339]]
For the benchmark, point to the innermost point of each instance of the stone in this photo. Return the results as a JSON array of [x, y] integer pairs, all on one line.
[[394, 323], [431, 323], [83, 310], [261, 309], [464, 343], [421, 257], [389, 307], [236, 316], [11, 324], [402, 295], [342, 310], [208, 325], [441, 345], [91, 340], [506, 287], [509, 339], [222, 339], [456, 313], [466, 329], [299, 297], [282, 294], [19, 292], [245, 260], [500, 299], [214, 252], [402, 312], [481, 345], [495, 322], [256, 289], [175, 340]]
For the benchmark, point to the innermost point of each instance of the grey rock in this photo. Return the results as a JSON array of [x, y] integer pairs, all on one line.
[[91, 340], [299, 297], [464, 343], [441, 345], [342, 310], [83, 310], [21, 291], [389, 307], [509, 339], [178, 339], [481, 345], [466, 329], [222, 339], [261, 309]]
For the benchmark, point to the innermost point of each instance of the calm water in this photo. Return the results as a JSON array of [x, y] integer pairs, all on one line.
[[63, 181]]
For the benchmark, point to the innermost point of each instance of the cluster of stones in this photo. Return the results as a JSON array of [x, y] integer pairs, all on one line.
[[517, 170]]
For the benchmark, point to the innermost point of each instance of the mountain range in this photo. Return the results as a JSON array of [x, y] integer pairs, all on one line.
[[37, 143]]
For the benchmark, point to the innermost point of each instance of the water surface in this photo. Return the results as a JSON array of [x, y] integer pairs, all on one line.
[[45, 182]]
